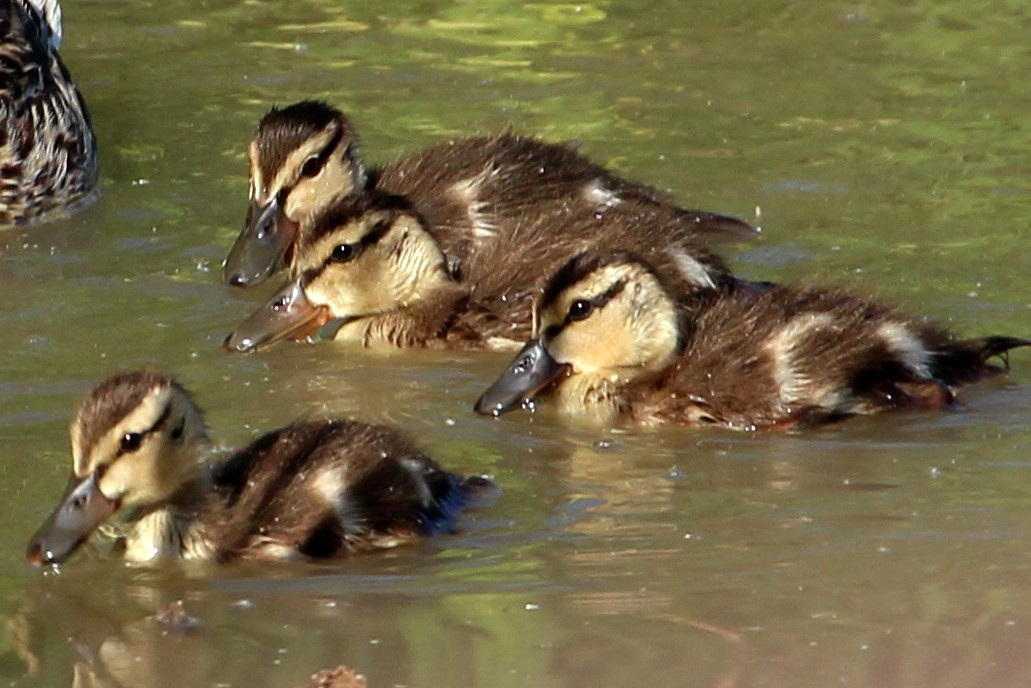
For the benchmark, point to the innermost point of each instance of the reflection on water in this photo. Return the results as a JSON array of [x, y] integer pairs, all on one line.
[[737, 560], [273, 636], [885, 146]]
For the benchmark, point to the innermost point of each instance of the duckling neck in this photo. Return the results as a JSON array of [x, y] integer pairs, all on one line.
[[591, 396], [423, 321], [172, 529], [612, 396]]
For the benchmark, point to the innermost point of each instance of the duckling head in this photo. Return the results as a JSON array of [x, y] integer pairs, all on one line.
[[137, 439], [602, 320], [302, 157], [364, 260]]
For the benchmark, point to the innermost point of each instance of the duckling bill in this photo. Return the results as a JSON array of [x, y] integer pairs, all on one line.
[[311, 490], [306, 156], [616, 344], [301, 157]]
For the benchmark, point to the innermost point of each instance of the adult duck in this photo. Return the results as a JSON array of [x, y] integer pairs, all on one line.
[[48, 150]]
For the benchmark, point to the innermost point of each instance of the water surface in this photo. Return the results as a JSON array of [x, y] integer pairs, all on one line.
[[884, 146]]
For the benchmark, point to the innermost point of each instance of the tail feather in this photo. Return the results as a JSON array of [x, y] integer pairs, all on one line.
[[967, 360], [719, 227], [459, 495], [478, 491]]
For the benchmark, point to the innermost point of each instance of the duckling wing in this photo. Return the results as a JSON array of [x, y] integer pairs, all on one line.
[[785, 356], [505, 276], [509, 211], [476, 189], [326, 488]]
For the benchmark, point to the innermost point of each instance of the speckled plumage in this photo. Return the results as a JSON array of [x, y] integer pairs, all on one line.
[[314, 489], [273, 494], [472, 191], [407, 283], [484, 187], [48, 150], [618, 343]]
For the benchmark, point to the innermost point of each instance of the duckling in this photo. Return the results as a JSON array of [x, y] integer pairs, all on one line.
[[309, 490], [48, 150], [616, 343], [373, 266], [471, 190]]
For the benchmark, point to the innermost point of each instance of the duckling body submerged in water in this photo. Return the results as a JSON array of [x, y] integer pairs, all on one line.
[[48, 151], [471, 191], [373, 266], [310, 490], [615, 343]]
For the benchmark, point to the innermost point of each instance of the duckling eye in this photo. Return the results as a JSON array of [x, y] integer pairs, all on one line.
[[177, 431], [580, 309], [343, 253], [311, 166], [131, 441]]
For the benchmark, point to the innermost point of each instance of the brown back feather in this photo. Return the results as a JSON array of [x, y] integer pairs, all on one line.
[[728, 370], [274, 491]]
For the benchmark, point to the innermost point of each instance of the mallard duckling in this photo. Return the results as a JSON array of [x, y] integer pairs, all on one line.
[[313, 489], [615, 343], [472, 190], [48, 151], [373, 266]]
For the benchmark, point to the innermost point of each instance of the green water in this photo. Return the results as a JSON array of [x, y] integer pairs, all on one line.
[[886, 147]]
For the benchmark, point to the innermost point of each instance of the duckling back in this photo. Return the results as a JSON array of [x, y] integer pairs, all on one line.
[[478, 188], [506, 274], [510, 210], [48, 150], [327, 488], [470, 191], [792, 356]]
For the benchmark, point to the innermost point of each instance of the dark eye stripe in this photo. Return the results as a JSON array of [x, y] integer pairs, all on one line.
[[128, 445], [378, 231], [312, 166], [610, 293], [162, 419], [597, 302]]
